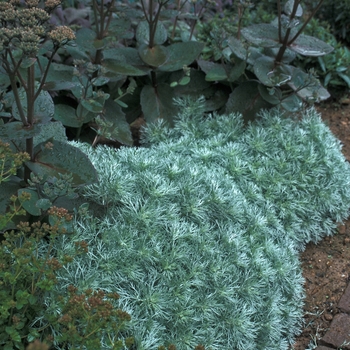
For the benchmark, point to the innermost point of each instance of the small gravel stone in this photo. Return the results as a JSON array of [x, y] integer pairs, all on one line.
[[328, 317]]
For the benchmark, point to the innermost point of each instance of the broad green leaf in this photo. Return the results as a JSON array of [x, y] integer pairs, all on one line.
[[143, 30], [60, 73], [51, 130], [59, 85], [66, 115], [288, 8], [32, 300], [99, 81], [63, 158], [43, 108], [16, 130], [30, 205], [79, 90], [43, 204], [157, 103], [155, 56], [4, 80], [120, 27], [217, 73], [266, 94], [269, 73], [28, 62], [262, 35], [77, 53], [99, 44], [310, 46], [263, 69], [314, 93], [184, 80], [92, 105], [237, 48], [123, 68], [292, 103], [254, 53], [84, 39], [83, 115], [237, 70], [124, 54], [181, 54], [207, 66], [120, 129], [246, 99], [307, 86]]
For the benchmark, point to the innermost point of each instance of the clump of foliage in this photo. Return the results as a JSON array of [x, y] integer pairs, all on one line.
[[28, 268], [204, 225], [27, 49], [132, 59], [28, 274], [257, 61], [9, 163], [337, 14], [332, 70]]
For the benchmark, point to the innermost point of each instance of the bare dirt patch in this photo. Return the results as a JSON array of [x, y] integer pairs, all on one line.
[[326, 266]]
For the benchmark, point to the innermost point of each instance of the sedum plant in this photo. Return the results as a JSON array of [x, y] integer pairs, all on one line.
[[130, 59], [203, 226], [27, 49], [256, 61]]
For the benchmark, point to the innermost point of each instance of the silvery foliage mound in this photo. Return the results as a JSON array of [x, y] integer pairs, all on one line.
[[203, 227]]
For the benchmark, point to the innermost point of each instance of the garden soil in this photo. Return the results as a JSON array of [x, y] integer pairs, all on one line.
[[326, 265]]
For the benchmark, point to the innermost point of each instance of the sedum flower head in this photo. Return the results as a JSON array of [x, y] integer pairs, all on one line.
[[51, 4], [22, 25], [62, 35], [32, 3]]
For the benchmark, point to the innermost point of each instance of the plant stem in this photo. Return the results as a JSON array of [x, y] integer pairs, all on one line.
[[279, 10], [306, 22], [43, 78], [151, 24], [154, 79], [30, 117], [12, 76], [284, 46]]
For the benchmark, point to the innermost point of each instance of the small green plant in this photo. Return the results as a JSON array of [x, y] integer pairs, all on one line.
[[9, 164], [337, 14], [28, 273], [257, 61], [134, 60], [126, 67], [332, 70]]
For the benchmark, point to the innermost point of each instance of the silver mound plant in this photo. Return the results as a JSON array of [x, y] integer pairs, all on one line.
[[203, 226]]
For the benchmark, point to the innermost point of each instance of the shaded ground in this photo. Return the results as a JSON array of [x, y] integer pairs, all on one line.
[[326, 266]]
